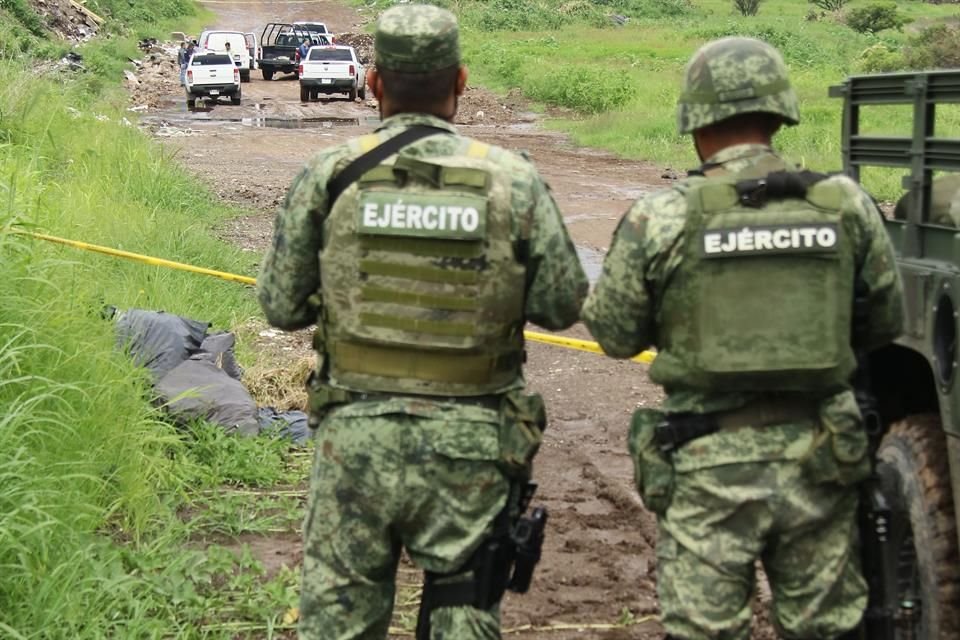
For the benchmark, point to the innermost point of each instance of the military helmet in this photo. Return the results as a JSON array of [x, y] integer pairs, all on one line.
[[731, 76], [416, 38]]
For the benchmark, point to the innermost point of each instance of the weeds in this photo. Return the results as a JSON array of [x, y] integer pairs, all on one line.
[[91, 478], [622, 83]]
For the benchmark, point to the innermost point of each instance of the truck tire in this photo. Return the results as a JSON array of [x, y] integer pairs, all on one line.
[[244, 75], [353, 94], [304, 94], [191, 103], [363, 92], [914, 472], [267, 74], [235, 98]]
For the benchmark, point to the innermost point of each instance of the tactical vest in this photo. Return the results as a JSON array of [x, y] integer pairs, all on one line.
[[762, 299], [422, 287]]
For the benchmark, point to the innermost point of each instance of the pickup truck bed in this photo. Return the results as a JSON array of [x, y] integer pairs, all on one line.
[[278, 52]]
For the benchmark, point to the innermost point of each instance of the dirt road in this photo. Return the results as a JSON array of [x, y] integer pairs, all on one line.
[[598, 565]]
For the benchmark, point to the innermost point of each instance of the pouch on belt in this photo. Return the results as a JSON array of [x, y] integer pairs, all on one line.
[[840, 450], [653, 471], [322, 398], [523, 419]]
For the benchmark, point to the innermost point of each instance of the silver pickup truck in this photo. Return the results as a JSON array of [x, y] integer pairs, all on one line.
[[332, 69]]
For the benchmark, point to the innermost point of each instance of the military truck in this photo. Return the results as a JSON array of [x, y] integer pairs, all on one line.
[[915, 579], [278, 51]]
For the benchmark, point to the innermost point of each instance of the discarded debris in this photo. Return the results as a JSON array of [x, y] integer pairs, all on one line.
[[69, 20]]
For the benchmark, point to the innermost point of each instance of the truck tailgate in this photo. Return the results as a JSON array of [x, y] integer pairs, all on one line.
[[212, 75], [327, 69]]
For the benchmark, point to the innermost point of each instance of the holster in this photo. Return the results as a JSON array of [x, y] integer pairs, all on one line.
[[505, 560]]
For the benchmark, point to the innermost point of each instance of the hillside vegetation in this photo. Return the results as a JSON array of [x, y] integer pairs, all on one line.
[[616, 66], [101, 500]]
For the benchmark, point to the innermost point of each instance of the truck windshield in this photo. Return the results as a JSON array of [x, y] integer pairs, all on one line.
[[210, 59], [316, 27], [340, 55]]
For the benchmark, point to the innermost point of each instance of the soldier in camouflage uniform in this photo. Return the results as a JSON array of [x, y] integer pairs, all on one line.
[[420, 277], [743, 276]]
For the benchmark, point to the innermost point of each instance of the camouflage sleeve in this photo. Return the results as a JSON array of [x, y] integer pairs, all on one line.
[[557, 284], [618, 310], [290, 273], [877, 270]]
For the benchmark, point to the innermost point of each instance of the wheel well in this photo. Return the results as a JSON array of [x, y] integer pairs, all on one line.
[[903, 383]]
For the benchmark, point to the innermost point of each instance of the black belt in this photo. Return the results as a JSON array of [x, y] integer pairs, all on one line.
[[677, 429]]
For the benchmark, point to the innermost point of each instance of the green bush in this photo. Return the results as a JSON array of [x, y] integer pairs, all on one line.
[[747, 7], [880, 58], [875, 17], [829, 5], [23, 13], [936, 47], [129, 11], [515, 15], [591, 89], [799, 46], [647, 8]]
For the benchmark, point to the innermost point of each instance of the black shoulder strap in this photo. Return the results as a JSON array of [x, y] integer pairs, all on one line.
[[352, 172], [779, 185]]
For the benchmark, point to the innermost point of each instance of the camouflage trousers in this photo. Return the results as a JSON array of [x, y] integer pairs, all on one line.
[[726, 515], [383, 483]]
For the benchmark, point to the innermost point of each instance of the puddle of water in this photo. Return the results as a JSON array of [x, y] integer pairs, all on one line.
[[592, 262], [303, 123]]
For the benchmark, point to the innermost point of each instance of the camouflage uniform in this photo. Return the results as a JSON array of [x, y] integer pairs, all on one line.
[[944, 202], [396, 470], [764, 489]]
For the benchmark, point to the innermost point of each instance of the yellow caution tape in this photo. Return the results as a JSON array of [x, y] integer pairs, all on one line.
[[136, 257], [569, 343], [645, 357]]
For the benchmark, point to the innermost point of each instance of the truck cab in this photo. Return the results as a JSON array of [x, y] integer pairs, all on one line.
[[279, 43], [243, 48], [915, 584]]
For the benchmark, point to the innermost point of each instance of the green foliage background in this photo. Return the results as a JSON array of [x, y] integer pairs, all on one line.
[[619, 81]]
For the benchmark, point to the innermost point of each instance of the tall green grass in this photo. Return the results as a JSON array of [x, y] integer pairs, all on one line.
[[621, 83], [90, 477]]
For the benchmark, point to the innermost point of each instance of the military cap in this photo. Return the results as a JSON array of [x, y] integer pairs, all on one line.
[[416, 38], [731, 76]]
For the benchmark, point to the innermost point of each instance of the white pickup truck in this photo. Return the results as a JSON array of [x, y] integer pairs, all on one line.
[[243, 48], [332, 69], [211, 75]]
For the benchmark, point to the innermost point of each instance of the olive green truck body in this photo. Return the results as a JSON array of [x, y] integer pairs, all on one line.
[[915, 381]]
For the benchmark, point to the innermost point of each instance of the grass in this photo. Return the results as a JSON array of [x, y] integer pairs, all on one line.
[[103, 505], [620, 83]]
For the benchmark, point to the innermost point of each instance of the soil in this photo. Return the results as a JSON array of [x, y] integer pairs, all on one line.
[[598, 564]]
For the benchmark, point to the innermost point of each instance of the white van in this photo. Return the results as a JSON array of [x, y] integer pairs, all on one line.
[[243, 48]]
